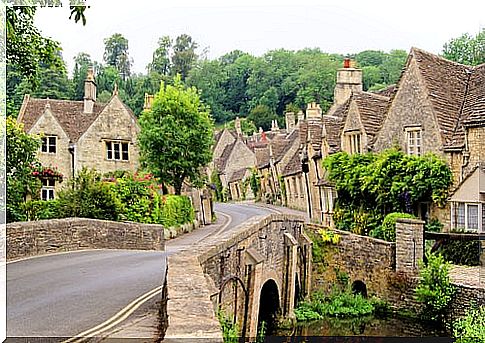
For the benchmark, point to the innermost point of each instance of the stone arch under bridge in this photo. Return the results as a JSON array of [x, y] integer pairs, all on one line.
[[268, 257]]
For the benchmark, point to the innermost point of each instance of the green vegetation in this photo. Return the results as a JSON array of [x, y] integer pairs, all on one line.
[[230, 330], [176, 136], [471, 328], [373, 185], [461, 252], [434, 289], [387, 230], [216, 185], [466, 49]]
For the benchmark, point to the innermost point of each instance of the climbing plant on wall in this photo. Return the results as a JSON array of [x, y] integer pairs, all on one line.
[[372, 185]]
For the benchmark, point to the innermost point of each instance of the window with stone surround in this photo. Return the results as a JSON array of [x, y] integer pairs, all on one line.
[[466, 216], [47, 192], [117, 151], [354, 142], [414, 135], [49, 144]]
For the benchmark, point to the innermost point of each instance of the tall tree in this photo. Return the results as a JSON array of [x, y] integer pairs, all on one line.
[[82, 62], [184, 56], [176, 135], [116, 54], [466, 49], [161, 57]]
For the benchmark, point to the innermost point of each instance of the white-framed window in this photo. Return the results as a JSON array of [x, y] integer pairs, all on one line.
[[47, 192], [414, 138], [467, 216], [117, 151], [49, 144], [354, 142]]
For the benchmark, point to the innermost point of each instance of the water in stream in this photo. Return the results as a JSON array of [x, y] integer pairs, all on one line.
[[365, 326]]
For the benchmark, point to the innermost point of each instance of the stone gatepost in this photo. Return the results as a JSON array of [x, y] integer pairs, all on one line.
[[409, 245], [292, 245], [254, 260]]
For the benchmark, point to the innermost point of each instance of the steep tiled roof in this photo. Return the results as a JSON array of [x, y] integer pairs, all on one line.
[[293, 166], [279, 145], [332, 132], [474, 107], [262, 156], [237, 175], [446, 83], [389, 91], [372, 109], [69, 114], [221, 162], [315, 128]]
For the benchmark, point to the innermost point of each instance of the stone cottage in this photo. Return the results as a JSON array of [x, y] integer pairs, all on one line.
[[439, 107], [78, 134]]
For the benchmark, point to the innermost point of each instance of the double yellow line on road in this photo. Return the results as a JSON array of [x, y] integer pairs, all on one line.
[[116, 319]]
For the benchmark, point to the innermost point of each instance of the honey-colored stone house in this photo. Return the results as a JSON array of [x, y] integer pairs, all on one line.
[[78, 134]]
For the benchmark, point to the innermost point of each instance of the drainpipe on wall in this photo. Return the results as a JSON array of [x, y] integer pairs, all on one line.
[[71, 149]]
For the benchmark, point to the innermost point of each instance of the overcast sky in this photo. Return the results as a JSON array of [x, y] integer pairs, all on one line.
[[256, 26]]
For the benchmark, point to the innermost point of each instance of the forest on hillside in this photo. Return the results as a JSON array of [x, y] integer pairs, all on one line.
[[259, 88]]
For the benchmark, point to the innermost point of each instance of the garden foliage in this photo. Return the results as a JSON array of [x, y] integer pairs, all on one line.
[[470, 328]]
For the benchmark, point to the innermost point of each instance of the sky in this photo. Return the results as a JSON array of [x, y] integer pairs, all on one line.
[[257, 26]]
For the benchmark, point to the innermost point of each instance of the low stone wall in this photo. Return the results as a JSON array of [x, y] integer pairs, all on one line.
[[362, 258], [33, 238]]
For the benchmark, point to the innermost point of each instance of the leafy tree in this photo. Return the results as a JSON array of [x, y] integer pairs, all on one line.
[[82, 62], [184, 56], [392, 66], [466, 49], [116, 54], [176, 135], [20, 161], [161, 57], [106, 78], [262, 116], [369, 58]]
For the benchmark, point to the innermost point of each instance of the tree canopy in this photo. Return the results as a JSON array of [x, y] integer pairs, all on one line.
[[176, 135], [466, 49], [116, 54]]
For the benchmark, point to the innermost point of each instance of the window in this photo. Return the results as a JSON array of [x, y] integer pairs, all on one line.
[[414, 141], [354, 143], [47, 190], [466, 216], [117, 151], [49, 144]]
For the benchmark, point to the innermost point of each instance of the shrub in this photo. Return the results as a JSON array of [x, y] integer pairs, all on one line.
[[88, 197], [461, 252], [41, 209], [176, 210], [434, 289], [387, 230], [470, 328], [230, 330], [433, 225]]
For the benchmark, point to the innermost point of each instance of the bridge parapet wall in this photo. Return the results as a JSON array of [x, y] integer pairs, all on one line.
[[33, 238]]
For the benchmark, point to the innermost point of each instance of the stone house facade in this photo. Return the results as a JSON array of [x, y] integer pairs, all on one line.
[[78, 134]]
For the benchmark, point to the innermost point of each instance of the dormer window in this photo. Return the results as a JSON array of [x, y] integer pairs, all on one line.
[[49, 144], [414, 138], [117, 151], [354, 142]]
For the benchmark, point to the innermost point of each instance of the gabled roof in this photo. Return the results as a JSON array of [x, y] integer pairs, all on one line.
[[293, 166], [262, 156], [69, 114], [315, 130], [372, 109], [388, 91], [221, 162], [474, 107], [237, 175], [279, 145], [446, 85], [332, 131]]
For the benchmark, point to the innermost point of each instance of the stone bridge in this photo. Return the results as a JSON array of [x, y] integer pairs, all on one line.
[[254, 273]]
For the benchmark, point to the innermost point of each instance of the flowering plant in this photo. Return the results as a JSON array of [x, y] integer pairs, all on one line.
[[41, 171]]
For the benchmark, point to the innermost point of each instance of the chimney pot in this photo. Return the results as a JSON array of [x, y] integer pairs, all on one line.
[[347, 63]]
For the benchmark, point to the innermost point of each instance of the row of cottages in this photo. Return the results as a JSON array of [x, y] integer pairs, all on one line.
[[93, 135], [437, 106], [78, 134]]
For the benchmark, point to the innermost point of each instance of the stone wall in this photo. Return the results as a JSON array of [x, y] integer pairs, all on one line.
[[362, 258], [409, 245], [57, 235]]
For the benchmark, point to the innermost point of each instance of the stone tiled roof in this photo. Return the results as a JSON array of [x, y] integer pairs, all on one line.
[[446, 83], [262, 156], [315, 128], [303, 131], [293, 166], [237, 175], [474, 107], [372, 109], [332, 132], [69, 114], [221, 162], [389, 91], [279, 145]]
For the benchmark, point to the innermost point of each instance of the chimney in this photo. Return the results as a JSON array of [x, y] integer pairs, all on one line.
[[290, 121], [301, 117], [274, 125], [237, 125], [148, 101], [349, 80], [89, 91], [313, 111]]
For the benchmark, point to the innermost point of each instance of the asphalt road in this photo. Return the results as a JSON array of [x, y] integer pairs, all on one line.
[[63, 295]]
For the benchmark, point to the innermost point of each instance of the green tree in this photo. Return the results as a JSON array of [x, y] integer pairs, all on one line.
[[20, 161], [176, 135], [184, 56], [161, 57], [466, 49], [82, 62], [116, 54], [262, 116]]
